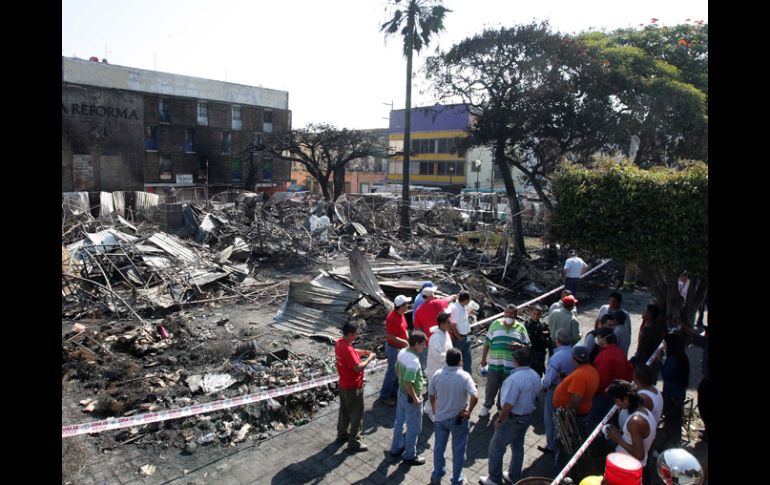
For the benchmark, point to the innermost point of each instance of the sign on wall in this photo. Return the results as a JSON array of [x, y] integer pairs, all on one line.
[[184, 178]]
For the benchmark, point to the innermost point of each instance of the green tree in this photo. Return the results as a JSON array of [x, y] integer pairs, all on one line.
[[658, 217], [536, 95], [324, 151], [649, 75], [417, 20]]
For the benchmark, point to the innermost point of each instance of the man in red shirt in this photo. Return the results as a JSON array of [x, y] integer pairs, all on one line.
[[425, 316], [351, 370], [396, 339], [611, 364]]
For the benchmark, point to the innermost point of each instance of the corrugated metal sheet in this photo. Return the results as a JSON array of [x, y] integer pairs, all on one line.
[[119, 203], [172, 247], [304, 320], [322, 298], [363, 278], [75, 202], [145, 201]]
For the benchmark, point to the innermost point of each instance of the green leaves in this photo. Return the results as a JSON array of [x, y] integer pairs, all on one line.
[[657, 217]]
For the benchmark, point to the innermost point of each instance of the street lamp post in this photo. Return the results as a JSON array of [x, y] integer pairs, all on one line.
[[451, 169], [477, 167]]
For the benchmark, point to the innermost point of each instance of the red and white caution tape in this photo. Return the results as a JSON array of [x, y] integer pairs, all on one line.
[[147, 418]]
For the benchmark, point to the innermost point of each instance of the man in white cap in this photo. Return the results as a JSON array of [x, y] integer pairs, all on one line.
[[395, 340], [420, 297]]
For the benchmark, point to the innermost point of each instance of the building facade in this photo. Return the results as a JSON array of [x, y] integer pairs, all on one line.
[[435, 160], [133, 129]]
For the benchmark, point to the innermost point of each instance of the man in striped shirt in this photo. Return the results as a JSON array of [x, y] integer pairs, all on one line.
[[503, 337]]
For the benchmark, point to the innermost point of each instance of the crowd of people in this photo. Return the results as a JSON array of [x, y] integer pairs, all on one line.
[[429, 373]]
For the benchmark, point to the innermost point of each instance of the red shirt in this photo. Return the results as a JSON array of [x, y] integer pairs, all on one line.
[[347, 358], [611, 364], [395, 324], [425, 316]]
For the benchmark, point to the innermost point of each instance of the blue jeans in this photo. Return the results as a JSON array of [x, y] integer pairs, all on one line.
[[459, 444], [411, 415], [511, 432], [464, 346], [424, 359], [390, 382], [550, 428], [572, 285]]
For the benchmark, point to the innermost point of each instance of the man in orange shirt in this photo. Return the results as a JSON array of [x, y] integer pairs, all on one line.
[[577, 390]]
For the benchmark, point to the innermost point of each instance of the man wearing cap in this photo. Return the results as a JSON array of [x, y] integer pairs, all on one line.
[[425, 318], [438, 346], [557, 304], [611, 364], [409, 408], [450, 389], [502, 339], [560, 365], [461, 328], [519, 393], [563, 318], [396, 339], [574, 267], [576, 392], [350, 367], [420, 298]]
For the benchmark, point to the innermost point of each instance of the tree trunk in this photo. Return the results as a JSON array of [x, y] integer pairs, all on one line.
[[666, 290], [323, 182], [405, 230], [513, 200], [339, 181]]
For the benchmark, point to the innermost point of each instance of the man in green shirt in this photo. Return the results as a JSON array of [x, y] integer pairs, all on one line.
[[409, 404], [503, 337]]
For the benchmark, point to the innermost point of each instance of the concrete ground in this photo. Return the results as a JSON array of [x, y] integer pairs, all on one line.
[[308, 454]]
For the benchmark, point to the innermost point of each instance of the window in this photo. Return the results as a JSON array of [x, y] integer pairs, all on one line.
[[203, 113], [236, 117], [267, 119], [443, 145], [257, 139], [164, 114], [227, 143], [452, 145], [395, 167], [423, 146], [426, 168], [166, 169], [235, 165], [151, 137], [189, 137]]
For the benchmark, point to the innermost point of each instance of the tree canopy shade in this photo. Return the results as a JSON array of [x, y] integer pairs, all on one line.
[[324, 151], [658, 217], [418, 21]]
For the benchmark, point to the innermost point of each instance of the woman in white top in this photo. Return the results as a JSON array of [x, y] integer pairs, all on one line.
[[639, 429], [440, 342], [652, 398]]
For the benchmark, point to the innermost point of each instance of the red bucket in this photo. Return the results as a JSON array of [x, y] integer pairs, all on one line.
[[622, 469]]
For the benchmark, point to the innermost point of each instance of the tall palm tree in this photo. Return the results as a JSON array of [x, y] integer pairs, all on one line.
[[418, 21]]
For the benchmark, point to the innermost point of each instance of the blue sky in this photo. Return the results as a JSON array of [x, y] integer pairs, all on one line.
[[330, 56]]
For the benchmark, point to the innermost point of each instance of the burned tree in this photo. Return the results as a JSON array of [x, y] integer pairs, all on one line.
[[324, 151]]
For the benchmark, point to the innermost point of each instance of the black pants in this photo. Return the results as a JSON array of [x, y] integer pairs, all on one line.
[[673, 410], [703, 402]]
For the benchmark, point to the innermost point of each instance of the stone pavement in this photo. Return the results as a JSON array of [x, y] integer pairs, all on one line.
[[308, 454]]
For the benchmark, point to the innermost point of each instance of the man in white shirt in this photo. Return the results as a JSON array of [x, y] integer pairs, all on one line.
[[440, 342], [574, 267], [461, 328], [614, 304]]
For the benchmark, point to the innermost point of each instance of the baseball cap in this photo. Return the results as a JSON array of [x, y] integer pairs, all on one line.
[[428, 291], [401, 299], [580, 353], [569, 299]]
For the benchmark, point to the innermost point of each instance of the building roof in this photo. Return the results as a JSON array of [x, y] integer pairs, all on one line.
[[90, 73]]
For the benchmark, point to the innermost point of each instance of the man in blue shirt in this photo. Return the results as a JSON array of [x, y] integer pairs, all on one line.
[[519, 393], [420, 299], [560, 365]]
